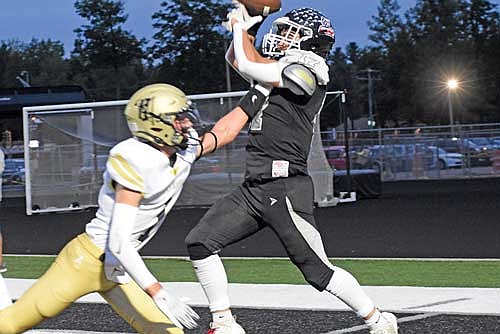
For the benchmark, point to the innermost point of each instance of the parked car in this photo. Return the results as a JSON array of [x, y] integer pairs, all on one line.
[[481, 142], [495, 142], [14, 172], [474, 155], [447, 159], [400, 157], [336, 156], [207, 164]]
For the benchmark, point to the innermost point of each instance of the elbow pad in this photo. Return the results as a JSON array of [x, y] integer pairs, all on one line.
[[254, 100], [299, 79]]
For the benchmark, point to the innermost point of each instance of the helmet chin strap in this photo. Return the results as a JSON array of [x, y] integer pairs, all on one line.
[[182, 145], [184, 141]]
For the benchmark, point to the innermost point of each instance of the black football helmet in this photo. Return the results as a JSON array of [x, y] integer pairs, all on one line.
[[302, 28]]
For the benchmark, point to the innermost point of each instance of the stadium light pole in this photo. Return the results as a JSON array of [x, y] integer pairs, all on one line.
[[452, 86]]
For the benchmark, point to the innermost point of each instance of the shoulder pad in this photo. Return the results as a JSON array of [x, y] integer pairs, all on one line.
[[124, 166], [312, 61], [299, 79]]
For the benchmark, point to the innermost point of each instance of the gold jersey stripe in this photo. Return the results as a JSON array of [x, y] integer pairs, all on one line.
[[124, 170], [129, 169]]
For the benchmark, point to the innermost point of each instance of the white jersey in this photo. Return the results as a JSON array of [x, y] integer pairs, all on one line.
[[140, 167]]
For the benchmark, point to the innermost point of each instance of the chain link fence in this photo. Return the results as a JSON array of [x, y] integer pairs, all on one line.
[[434, 152], [59, 165]]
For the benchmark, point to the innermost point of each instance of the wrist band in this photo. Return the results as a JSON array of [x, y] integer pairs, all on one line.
[[215, 139]]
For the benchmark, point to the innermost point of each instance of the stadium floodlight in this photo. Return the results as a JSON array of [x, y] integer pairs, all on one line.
[[452, 86]]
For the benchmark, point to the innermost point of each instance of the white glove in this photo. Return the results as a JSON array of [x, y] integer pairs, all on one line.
[[310, 60], [240, 14], [181, 314], [114, 270]]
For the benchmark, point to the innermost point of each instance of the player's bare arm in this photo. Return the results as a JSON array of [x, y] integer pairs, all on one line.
[[224, 131]]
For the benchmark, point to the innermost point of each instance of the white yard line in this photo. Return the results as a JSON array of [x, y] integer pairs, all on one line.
[[400, 320], [470, 301]]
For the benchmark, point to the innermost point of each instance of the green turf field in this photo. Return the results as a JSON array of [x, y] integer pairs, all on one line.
[[481, 274]]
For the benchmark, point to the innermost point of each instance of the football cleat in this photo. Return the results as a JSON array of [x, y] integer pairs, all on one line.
[[387, 324], [226, 327]]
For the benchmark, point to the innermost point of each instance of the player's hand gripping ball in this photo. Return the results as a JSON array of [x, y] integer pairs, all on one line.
[[261, 7]]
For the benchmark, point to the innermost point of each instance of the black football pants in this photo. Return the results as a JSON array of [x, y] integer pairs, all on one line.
[[286, 206]]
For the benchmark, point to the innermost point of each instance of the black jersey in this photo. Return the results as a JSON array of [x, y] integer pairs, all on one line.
[[281, 134]]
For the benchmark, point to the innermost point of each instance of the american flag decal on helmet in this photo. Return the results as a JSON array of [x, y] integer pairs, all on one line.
[[326, 28]]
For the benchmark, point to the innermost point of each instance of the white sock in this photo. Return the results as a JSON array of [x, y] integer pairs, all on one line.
[[347, 289], [222, 316], [5, 299], [213, 279]]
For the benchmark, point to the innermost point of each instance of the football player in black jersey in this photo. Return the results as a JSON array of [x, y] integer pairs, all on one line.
[[277, 191]]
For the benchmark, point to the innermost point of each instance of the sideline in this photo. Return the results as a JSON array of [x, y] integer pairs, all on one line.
[[399, 299]]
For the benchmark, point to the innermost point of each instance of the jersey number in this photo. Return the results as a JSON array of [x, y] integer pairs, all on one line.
[[256, 124]]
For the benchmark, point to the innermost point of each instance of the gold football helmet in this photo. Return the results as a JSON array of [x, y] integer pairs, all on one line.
[[151, 113]]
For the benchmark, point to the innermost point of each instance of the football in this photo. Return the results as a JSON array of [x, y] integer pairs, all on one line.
[[261, 7]]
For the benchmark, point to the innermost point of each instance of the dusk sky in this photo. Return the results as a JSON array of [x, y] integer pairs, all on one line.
[[56, 19]]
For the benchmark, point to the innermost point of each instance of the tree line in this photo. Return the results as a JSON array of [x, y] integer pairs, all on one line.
[[411, 56]]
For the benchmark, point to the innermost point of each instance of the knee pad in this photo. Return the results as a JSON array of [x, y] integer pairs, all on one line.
[[198, 251]]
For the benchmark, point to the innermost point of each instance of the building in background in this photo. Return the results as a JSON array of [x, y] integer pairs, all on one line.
[[12, 101]]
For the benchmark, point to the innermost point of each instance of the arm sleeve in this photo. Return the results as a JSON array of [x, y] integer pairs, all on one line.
[[228, 60], [261, 72], [119, 244]]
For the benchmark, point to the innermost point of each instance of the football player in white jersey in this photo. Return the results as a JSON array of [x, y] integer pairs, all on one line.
[[144, 177]]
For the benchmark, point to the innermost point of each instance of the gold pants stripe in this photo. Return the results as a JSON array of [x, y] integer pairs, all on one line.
[[77, 271]]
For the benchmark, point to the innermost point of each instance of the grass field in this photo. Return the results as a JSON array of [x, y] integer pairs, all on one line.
[[480, 274]]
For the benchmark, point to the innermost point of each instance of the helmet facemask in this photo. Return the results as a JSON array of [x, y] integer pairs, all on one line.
[[303, 29], [283, 36]]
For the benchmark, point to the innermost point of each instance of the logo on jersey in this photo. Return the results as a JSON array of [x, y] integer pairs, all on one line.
[[273, 200], [254, 99]]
